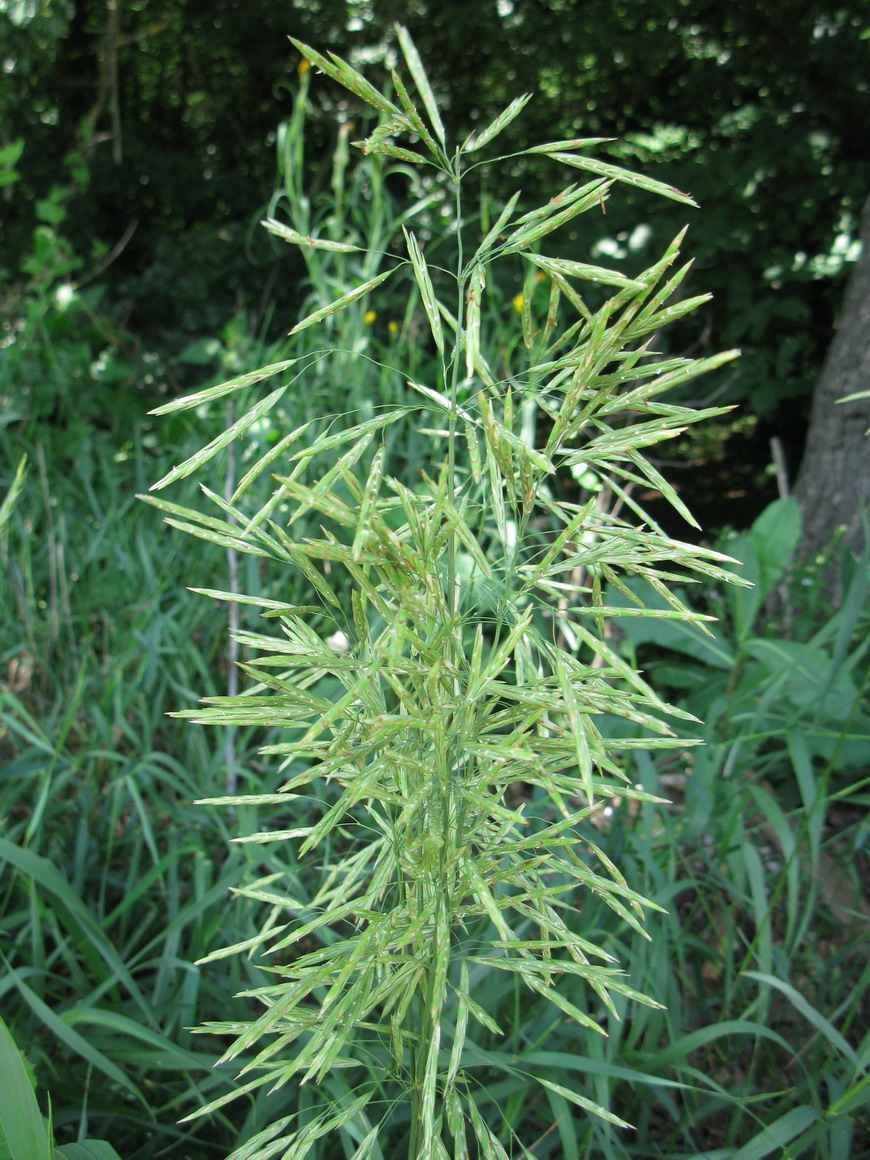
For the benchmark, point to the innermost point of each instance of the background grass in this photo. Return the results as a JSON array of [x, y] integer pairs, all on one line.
[[114, 884]]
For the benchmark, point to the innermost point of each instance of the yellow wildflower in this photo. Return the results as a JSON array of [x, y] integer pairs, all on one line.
[[393, 327], [369, 317], [303, 67], [518, 303]]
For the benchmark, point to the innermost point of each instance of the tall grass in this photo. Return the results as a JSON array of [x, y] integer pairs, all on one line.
[[114, 883], [456, 740]]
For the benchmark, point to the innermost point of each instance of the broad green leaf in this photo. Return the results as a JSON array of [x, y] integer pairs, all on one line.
[[563, 1061], [678, 1051], [130, 1030], [855, 1097], [11, 154], [88, 1150], [76, 1043], [814, 1017], [91, 940], [774, 537], [773, 1138], [22, 1127]]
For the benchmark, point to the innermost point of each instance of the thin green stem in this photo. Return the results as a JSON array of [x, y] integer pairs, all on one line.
[[455, 362], [442, 789]]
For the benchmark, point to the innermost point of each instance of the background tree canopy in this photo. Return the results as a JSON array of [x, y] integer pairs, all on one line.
[[758, 110]]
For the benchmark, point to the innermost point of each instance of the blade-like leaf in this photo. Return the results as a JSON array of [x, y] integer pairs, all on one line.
[[15, 490], [22, 1128], [88, 1150]]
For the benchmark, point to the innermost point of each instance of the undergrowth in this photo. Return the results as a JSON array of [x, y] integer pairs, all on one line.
[[115, 885]]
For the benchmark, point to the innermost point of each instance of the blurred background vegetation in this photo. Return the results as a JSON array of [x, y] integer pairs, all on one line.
[[140, 145]]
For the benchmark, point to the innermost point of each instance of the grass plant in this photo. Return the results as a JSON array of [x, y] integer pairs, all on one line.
[[114, 884], [447, 710], [770, 841]]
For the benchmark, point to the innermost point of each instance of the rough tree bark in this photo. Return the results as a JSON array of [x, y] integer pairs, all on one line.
[[834, 476]]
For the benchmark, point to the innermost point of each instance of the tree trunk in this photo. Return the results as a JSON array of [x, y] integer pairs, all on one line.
[[834, 477]]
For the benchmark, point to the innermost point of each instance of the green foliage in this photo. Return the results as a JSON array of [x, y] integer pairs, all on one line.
[[112, 887], [760, 966], [9, 157], [113, 884], [66, 362], [417, 692], [23, 1133], [750, 105], [769, 819], [780, 694]]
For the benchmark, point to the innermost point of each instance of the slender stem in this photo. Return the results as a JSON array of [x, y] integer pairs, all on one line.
[[418, 1071], [438, 896], [455, 363], [230, 776]]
